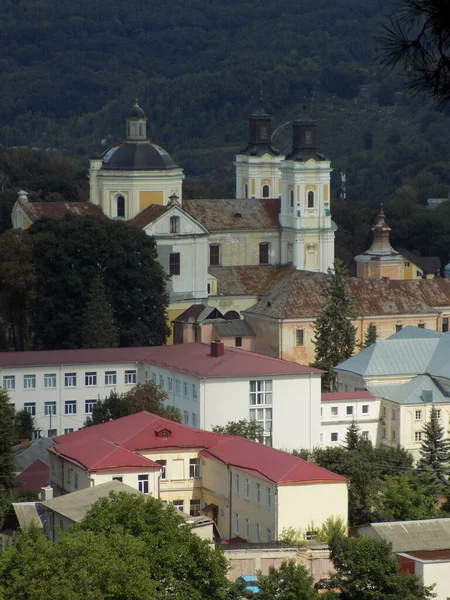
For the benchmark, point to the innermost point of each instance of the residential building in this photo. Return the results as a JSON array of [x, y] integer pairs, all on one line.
[[409, 373], [210, 384], [250, 490], [420, 267], [340, 409], [431, 567]]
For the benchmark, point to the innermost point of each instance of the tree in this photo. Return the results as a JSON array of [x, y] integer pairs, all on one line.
[[371, 335], [335, 335], [7, 440], [435, 450], [250, 430], [24, 423], [99, 325], [366, 569], [404, 499], [419, 39], [69, 253], [290, 581], [144, 396]]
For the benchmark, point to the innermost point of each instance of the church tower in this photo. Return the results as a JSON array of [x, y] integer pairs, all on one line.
[[380, 260], [257, 166], [307, 237]]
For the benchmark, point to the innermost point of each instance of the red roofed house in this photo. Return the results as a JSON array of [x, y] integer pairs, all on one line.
[[209, 383], [250, 490]]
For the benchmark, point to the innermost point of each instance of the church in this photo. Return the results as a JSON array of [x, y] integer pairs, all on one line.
[[281, 215]]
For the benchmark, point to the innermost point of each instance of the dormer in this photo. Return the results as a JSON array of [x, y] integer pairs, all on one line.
[[163, 432]]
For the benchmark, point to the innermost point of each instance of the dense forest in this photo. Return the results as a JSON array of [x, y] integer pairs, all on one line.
[[69, 71]]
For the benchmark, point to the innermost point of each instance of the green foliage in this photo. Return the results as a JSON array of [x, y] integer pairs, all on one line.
[[405, 498], [435, 450], [371, 335], [366, 569], [99, 325], [335, 335], [290, 581], [144, 396], [332, 527], [303, 453], [69, 253], [292, 536], [7, 440], [24, 424], [250, 430]]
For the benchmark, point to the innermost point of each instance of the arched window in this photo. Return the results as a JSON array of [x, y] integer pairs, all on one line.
[[266, 191], [310, 199], [140, 130], [120, 206], [174, 224], [245, 190], [291, 198]]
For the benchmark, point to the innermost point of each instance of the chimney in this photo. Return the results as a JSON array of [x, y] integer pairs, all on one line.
[[46, 493], [24, 443], [217, 348]]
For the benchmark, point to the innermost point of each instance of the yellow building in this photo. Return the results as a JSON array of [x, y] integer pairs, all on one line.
[[250, 490]]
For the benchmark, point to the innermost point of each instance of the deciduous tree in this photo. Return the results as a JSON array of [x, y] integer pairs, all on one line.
[[99, 325], [7, 440], [251, 430], [288, 582], [25, 425], [403, 498]]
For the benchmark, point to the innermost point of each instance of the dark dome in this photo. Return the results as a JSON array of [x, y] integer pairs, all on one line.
[[137, 156], [136, 112]]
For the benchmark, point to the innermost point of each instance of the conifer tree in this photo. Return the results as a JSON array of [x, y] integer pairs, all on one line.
[[371, 335], [99, 325], [435, 450], [335, 335], [7, 440]]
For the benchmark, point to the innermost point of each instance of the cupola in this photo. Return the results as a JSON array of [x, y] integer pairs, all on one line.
[[304, 138], [260, 132], [136, 123]]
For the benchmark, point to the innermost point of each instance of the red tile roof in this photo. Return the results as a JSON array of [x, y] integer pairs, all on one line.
[[249, 281], [36, 210], [137, 433], [234, 214], [433, 555], [194, 359], [33, 478], [335, 396], [148, 215]]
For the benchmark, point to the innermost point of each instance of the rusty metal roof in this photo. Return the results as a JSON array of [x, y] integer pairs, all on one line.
[[248, 281], [234, 214], [36, 210], [299, 296], [148, 215]]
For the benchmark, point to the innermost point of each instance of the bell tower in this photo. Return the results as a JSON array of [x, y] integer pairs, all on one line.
[[257, 165], [307, 239]]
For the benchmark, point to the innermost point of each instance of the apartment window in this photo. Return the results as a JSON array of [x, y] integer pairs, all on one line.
[[417, 436], [365, 409], [238, 341], [264, 248], [310, 199], [110, 377], [418, 415], [163, 464], [263, 416], [9, 382], [75, 480], [258, 533], [194, 391], [236, 523], [179, 505], [90, 379], [258, 493], [143, 483], [29, 382], [384, 411], [118, 479], [419, 273], [214, 255], [299, 337], [247, 529], [68, 430], [50, 380], [30, 407], [174, 263], [49, 408], [89, 406], [237, 486], [393, 435], [130, 377], [154, 377], [393, 414], [174, 224], [70, 407], [269, 536], [194, 468], [194, 508], [349, 410], [398, 328], [194, 420], [52, 432], [445, 324], [169, 384], [261, 392], [185, 389], [70, 379], [334, 411], [186, 417], [247, 489], [161, 381], [177, 386], [365, 435], [268, 497], [334, 436]]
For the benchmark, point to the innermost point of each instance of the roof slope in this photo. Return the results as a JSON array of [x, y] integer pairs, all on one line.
[[36, 210], [249, 281], [233, 214], [410, 392], [407, 536], [33, 478], [138, 433], [429, 264], [148, 215]]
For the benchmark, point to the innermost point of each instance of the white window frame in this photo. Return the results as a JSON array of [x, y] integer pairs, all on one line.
[[258, 494], [194, 468], [68, 430], [299, 337], [195, 507], [130, 377], [185, 389], [89, 404], [70, 380], [70, 407], [30, 407], [334, 411], [49, 408], [365, 409], [50, 381], [29, 382], [236, 523], [161, 381], [418, 415], [185, 417], [237, 484], [247, 529], [258, 533], [143, 484], [90, 379], [163, 463], [9, 382], [178, 387], [349, 411], [194, 420], [261, 392], [268, 497], [110, 377], [247, 488], [179, 505], [417, 436], [269, 535], [169, 384], [194, 391], [334, 433]]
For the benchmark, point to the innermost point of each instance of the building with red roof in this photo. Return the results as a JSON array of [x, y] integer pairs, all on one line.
[[249, 489]]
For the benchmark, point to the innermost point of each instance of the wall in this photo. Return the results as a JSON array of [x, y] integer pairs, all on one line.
[[332, 423], [241, 248], [435, 573], [409, 423]]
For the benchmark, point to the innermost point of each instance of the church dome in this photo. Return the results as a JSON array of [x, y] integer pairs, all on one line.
[[137, 156]]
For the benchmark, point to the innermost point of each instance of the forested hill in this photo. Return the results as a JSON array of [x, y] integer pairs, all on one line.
[[69, 70]]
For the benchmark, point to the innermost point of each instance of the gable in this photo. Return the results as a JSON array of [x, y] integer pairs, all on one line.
[[165, 226]]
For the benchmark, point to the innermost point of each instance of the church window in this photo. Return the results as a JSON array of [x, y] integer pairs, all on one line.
[[264, 248], [310, 199], [140, 130], [299, 337], [266, 191], [214, 255], [174, 263], [263, 133], [174, 224], [120, 206], [291, 198], [308, 137], [245, 190]]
